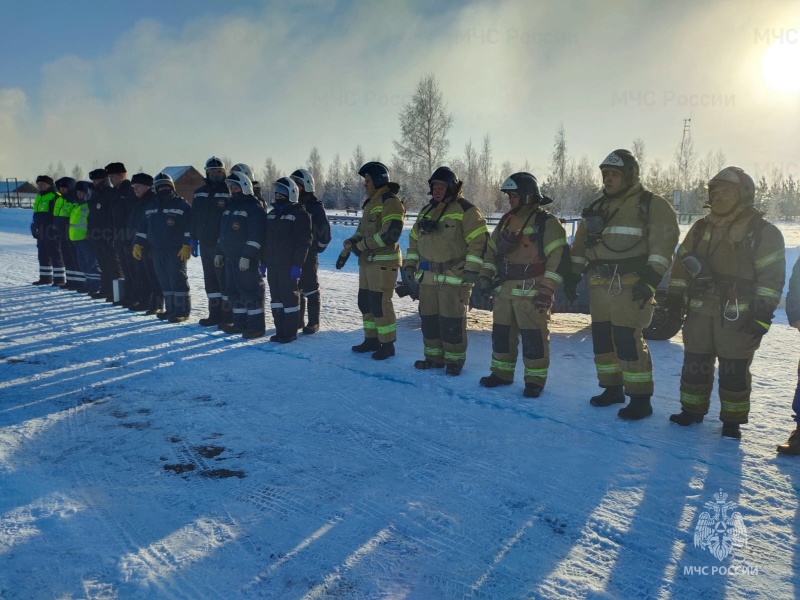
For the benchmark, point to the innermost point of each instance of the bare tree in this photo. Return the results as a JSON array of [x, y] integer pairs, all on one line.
[[640, 152], [77, 173], [56, 172], [332, 197], [317, 171], [269, 175], [424, 124], [484, 193]]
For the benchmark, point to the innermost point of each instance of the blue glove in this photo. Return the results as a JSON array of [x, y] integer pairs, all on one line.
[[295, 272], [262, 269], [195, 245]]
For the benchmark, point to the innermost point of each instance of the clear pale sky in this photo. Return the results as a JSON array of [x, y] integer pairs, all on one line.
[[154, 83]]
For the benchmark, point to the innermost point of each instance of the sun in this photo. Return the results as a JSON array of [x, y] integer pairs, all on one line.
[[780, 67]]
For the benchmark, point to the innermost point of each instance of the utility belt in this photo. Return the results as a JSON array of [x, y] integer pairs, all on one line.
[[622, 266], [438, 267], [507, 271], [726, 287]]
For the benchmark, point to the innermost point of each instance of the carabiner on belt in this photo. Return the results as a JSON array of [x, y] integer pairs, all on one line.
[[615, 276]]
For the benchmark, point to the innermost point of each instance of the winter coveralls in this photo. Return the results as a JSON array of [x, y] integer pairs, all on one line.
[[101, 234], [746, 264], [208, 204], [241, 235], [379, 258], [51, 263], [286, 244], [166, 230], [320, 238], [139, 285], [519, 271], [639, 235], [447, 240]]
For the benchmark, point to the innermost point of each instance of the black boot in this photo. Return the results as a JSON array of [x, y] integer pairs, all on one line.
[[532, 390], [731, 430], [686, 418], [613, 394], [385, 351], [453, 369], [493, 380], [427, 363], [793, 445], [277, 319], [638, 408], [214, 313], [312, 326], [368, 345], [289, 327]]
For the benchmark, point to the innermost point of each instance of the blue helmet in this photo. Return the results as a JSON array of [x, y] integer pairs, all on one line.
[[378, 172]]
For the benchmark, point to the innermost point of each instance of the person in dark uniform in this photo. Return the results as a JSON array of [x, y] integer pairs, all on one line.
[[101, 233], [241, 237], [320, 238], [166, 229], [120, 211], [208, 204], [286, 244], [147, 290], [51, 264]]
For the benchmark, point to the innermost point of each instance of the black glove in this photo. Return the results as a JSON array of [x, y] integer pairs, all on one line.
[[34, 230], [571, 281], [485, 285], [340, 262], [354, 249], [645, 288], [409, 271], [760, 318], [675, 304], [544, 299], [470, 277]]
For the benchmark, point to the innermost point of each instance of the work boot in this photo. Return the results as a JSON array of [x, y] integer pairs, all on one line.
[[368, 345], [177, 319], [232, 328], [493, 380], [731, 430], [613, 394], [638, 408], [251, 334], [209, 321], [43, 281], [792, 446], [532, 390], [385, 351], [164, 315], [214, 313], [453, 369], [427, 363], [312, 326], [686, 418]]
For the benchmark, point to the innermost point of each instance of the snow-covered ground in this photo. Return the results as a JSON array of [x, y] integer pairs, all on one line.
[[141, 459]]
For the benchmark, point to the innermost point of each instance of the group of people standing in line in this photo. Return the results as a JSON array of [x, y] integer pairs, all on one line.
[[726, 280]]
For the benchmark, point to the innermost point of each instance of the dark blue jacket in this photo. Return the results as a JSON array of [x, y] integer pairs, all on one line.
[[288, 236], [241, 232], [166, 224], [208, 204], [136, 216], [320, 227]]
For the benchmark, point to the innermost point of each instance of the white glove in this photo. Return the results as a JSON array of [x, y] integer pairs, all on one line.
[[244, 264], [219, 261]]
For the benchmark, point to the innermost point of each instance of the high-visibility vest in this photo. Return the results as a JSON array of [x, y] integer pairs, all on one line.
[[78, 219]]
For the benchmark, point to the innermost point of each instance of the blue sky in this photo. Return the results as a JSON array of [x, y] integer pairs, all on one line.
[[172, 82]]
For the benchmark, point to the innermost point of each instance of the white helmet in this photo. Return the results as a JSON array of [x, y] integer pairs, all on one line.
[[304, 178], [243, 168], [242, 180], [285, 186]]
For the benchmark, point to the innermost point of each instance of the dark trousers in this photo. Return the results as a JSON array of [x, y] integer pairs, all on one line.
[[246, 294], [51, 263], [87, 263], [73, 272], [171, 272], [137, 285], [215, 281], [284, 300], [109, 265]]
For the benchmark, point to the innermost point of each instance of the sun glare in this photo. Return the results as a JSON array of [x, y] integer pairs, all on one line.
[[780, 67]]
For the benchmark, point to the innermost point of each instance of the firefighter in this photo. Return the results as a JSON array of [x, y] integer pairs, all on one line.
[[208, 204], [241, 237], [320, 238], [100, 230], [525, 259], [375, 244], [286, 243], [245, 168], [166, 230], [149, 298], [625, 241], [51, 263], [75, 280], [728, 275], [445, 255], [792, 446], [78, 220]]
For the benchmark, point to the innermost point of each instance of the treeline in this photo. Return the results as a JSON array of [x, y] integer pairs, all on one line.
[[572, 182]]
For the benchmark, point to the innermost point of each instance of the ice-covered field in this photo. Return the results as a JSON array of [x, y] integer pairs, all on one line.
[[141, 459]]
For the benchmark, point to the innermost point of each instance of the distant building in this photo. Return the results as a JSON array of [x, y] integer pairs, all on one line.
[[187, 180], [17, 193]]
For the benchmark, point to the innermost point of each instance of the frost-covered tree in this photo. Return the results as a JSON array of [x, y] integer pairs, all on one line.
[[317, 171], [77, 173]]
